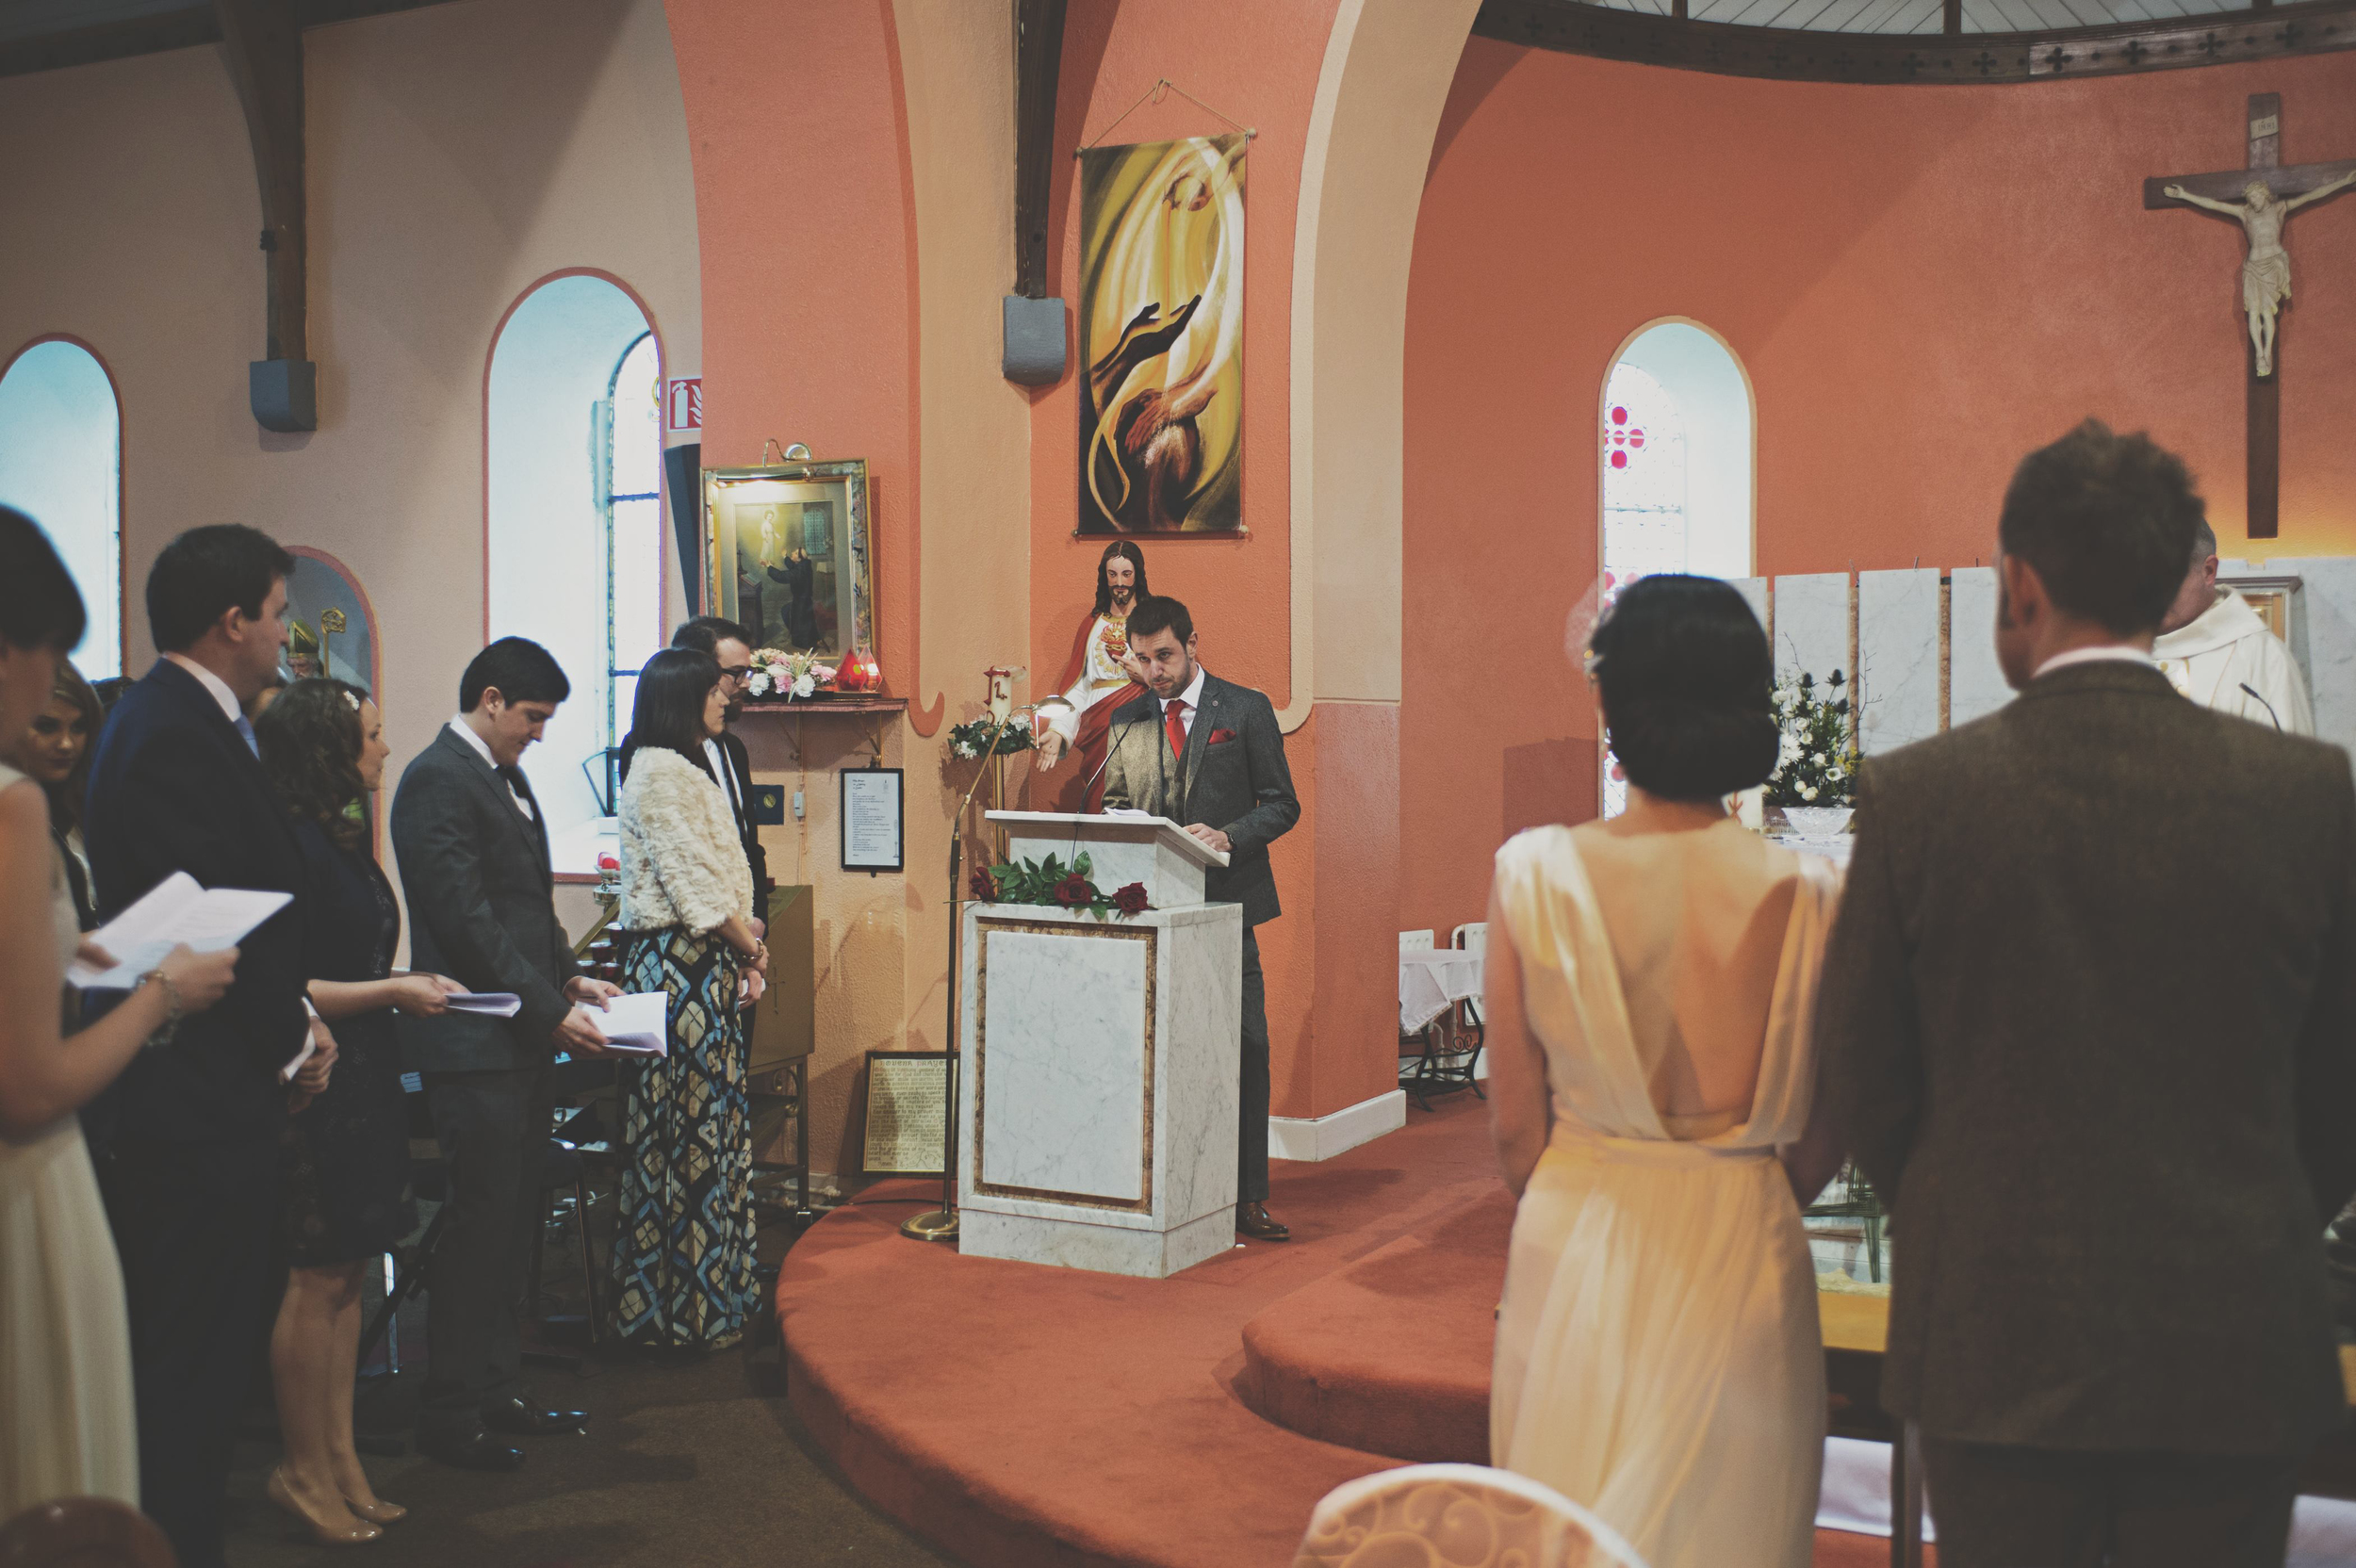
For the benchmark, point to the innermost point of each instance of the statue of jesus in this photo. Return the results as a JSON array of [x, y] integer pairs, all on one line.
[[1102, 675], [2266, 272]]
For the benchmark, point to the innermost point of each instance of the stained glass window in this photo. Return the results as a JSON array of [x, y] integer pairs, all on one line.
[[1644, 503]]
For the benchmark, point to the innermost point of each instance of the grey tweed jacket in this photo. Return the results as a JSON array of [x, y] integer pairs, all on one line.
[[1233, 777], [2088, 1022]]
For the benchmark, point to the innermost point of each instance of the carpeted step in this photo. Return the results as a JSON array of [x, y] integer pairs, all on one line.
[[1390, 1354]]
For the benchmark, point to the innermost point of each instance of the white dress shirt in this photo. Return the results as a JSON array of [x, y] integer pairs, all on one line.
[[2100, 653], [464, 732], [723, 772], [1192, 697], [212, 683]]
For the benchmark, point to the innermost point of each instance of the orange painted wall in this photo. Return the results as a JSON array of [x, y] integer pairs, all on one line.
[[1257, 64], [1923, 284]]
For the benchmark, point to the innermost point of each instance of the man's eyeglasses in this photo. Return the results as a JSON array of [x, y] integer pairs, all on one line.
[[738, 673]]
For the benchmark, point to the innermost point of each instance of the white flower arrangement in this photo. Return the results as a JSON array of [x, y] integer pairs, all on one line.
[[1816, 758], [790, 676]]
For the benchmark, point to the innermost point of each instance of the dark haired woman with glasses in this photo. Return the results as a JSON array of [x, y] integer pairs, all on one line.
[[67, 1427], [683, 1256], [347, 1153]]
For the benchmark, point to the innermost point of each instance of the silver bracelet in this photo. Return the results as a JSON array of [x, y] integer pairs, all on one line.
[[173, 1009]]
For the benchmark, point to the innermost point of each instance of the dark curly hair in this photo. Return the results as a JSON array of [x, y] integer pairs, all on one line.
[[1686, 677], [310, 739]]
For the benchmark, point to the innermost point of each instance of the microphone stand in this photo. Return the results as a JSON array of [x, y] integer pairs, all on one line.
[[942, 1224]]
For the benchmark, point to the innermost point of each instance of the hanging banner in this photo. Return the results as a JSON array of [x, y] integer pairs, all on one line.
[[1161, 338]]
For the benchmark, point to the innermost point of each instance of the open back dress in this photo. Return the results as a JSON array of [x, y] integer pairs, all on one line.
[[1658, 1353]]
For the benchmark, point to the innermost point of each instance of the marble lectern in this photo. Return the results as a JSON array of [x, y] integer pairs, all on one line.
[[1096, 1100]]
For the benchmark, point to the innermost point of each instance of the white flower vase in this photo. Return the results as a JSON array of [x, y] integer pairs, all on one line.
[[1818, 821]]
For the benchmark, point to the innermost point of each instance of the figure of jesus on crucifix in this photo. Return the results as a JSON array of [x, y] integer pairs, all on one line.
[[2266, 272]]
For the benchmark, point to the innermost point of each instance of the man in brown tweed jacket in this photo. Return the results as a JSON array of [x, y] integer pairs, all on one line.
[[2090, 1022]]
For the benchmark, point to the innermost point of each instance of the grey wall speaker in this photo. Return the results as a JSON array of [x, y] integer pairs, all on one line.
[[285, 394], [1035, 341]]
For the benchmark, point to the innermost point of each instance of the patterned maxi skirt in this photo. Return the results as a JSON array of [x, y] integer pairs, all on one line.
[[683, 1255]]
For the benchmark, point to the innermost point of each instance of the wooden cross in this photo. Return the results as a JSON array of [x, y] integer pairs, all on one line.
[[2290, 187]]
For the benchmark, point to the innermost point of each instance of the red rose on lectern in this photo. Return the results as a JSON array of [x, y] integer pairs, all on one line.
[[1073, 892], [1131, 900]]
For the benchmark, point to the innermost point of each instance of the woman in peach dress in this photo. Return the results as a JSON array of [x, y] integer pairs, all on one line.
[[1651, 982]]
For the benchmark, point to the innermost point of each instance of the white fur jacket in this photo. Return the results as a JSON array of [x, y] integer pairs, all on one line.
[[682, 864]]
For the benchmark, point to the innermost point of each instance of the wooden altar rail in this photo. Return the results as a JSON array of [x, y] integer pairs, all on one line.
[[1856, 1330]]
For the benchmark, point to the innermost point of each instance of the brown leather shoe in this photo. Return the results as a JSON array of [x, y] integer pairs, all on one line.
[[1252, 1219]]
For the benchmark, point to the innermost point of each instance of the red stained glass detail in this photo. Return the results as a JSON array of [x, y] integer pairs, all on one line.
[[1619, 415], [1621, 437], [1619, 460]]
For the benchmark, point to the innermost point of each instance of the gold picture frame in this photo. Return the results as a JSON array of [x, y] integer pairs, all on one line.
[[788, 552]]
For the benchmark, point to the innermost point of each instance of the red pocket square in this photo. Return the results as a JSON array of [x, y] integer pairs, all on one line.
[[1220, 737]]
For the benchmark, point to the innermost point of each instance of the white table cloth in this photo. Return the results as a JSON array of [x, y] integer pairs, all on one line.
[[1431, 983]]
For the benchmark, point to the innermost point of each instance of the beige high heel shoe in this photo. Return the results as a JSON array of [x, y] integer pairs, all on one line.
[[359, 1533], [378, 1512]]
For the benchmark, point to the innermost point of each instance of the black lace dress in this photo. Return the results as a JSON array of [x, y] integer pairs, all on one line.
[[346, 1162]]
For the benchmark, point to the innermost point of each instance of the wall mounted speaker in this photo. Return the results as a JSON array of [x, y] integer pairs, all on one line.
[[285, 394], [1035, 341]]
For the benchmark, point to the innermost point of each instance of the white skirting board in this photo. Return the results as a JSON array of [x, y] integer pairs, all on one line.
[[1856, 1497], [1321, 1137]]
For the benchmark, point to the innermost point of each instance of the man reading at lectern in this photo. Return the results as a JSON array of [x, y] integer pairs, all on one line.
[[1208, 754]]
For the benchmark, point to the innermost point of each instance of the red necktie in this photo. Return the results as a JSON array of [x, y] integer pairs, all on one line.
[[1174, 722]]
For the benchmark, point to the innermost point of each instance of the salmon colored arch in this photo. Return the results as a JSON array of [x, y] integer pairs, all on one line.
[[1603, 403], [114, 389], [490, 355]]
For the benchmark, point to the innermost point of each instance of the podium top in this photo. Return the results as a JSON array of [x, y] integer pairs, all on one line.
[[1086, 826]]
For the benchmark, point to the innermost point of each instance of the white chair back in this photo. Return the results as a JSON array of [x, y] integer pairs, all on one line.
[[1472, 937], [1464, 1515], [1415, 941]]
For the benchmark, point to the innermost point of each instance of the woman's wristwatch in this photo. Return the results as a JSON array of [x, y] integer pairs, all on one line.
[[173, 1009]]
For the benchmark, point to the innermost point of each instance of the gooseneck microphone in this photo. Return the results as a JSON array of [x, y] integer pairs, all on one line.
[[2263, 703]]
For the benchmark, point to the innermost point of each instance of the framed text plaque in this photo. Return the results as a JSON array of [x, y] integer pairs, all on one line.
[[907, 1096], [873, 820]]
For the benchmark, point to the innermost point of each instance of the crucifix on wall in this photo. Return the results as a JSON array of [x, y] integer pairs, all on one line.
[[2259, 198]]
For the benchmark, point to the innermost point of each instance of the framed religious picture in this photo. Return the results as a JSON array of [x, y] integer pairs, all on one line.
[[908, 1104], [874, 839], [789, 554]]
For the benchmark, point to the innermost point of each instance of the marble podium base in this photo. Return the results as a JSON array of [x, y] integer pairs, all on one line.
[[1097, 1103]]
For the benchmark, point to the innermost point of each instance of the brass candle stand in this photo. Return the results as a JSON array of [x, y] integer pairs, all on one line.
[[942, 1224]]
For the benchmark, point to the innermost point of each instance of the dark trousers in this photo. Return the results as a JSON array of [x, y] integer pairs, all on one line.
[[494, 1130], [2000, 1507], [1252, 1104], [194, 1224]]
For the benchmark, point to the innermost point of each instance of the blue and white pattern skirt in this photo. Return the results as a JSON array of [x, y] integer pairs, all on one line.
[[683, 1255]]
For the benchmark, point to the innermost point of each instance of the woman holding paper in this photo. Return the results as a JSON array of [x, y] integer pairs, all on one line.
[[346, 1166], [66, 1424], [683, 1256]]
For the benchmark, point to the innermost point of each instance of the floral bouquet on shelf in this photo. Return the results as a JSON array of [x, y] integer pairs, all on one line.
[[1050, 881], [790, 675], [1817, 765], [971, 739]]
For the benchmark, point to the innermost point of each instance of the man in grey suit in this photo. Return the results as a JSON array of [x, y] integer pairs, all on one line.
[[474, 864], [2088, 1019], [1209, 755]]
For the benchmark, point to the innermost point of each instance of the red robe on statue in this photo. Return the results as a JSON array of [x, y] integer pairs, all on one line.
[[1087, 690]]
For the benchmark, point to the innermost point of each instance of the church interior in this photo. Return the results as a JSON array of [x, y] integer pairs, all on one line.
[[563, 308]]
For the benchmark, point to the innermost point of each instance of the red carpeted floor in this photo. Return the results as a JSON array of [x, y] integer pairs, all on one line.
[[1022, 1417]]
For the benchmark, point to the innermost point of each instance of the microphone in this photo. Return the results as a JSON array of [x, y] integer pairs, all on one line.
[[2245, 686]]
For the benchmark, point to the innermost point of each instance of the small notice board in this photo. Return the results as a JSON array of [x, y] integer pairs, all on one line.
[[908, 1100], [873, 820]]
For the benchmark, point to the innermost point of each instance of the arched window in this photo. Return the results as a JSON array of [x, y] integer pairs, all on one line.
[[574, 537], [61, 464], [1676, 466]]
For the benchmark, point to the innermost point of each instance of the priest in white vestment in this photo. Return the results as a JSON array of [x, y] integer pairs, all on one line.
[[2218, 651]]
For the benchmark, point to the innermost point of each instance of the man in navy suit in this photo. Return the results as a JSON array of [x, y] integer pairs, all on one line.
[[191, 1181]]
